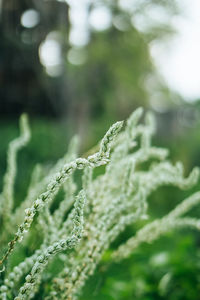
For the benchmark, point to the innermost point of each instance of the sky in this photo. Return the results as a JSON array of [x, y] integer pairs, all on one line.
[[179, 60]]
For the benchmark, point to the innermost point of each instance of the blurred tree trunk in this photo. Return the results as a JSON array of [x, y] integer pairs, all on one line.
[[24, 86]]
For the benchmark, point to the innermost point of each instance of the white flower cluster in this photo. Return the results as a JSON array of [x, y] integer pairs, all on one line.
[[7, 198], [108, 203]]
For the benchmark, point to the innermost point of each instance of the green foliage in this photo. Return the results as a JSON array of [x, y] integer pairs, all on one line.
[[68, 230]]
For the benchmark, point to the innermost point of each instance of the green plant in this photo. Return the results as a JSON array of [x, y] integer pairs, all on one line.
[[66, 228]]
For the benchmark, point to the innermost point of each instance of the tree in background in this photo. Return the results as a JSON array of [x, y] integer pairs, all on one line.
[[44, 71], [23, 83]]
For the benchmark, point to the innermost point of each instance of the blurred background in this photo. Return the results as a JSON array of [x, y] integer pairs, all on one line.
[[78, 66]]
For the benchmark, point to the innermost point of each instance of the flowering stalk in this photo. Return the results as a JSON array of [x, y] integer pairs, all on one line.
[[116, 198]]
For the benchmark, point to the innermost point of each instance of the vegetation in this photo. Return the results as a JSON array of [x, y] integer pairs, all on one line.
[[69, 226], [71, 76]]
